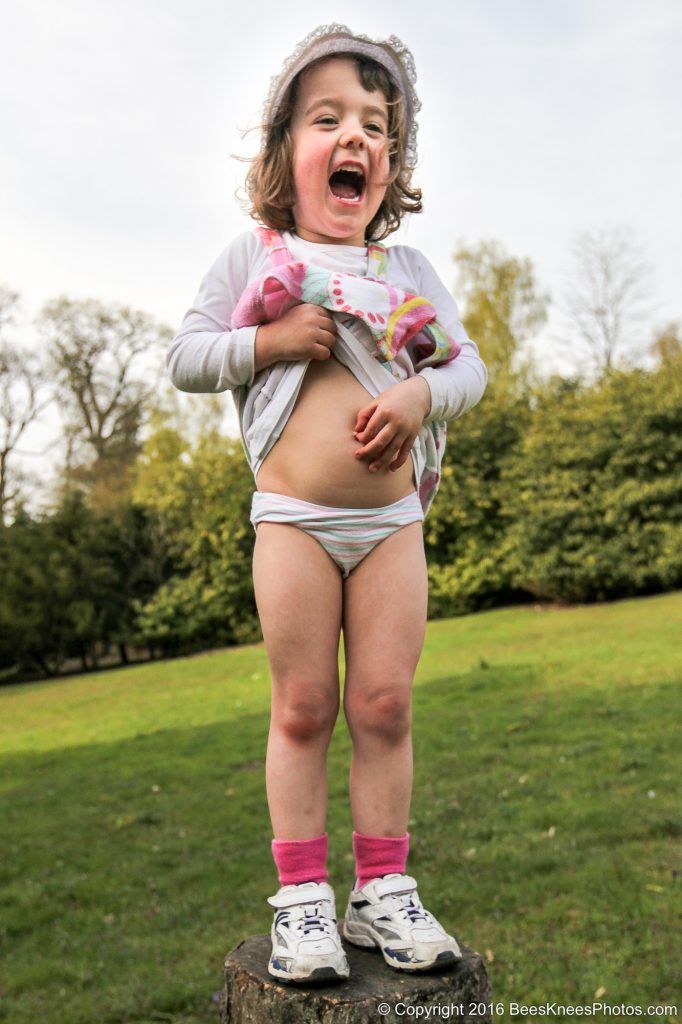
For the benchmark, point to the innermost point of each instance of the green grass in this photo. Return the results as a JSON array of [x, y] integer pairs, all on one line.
[[545, 823]]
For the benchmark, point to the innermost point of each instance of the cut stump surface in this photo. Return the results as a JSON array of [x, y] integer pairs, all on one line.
[[253, 997]]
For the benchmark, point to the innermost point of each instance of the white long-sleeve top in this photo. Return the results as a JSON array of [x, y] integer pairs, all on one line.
[[208, 355]]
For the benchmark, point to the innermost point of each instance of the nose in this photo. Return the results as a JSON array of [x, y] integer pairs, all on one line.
[[352, 135]]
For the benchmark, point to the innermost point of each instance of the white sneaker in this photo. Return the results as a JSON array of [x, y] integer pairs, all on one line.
[[388, 913], [306, 945]]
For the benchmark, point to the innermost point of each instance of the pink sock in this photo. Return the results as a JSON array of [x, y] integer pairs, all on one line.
[[301, 860], [379, 855]]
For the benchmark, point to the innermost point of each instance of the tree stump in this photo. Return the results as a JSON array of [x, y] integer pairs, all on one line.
[[253, 997]]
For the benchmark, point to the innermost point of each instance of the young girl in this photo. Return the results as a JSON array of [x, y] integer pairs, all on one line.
[[346, 359]]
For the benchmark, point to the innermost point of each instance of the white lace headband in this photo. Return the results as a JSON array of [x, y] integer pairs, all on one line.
[[327, 40]]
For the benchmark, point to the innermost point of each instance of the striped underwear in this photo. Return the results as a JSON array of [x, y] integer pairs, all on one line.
[[346, 534]]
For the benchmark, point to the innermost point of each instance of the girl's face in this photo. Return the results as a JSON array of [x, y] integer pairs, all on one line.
[[335, 121]]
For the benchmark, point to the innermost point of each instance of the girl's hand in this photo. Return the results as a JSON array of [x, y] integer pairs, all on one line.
[[305, 331], [389, 425]]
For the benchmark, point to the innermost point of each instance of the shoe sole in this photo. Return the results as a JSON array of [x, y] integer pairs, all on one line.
[[320, 974], [365, 940], [335, 969]]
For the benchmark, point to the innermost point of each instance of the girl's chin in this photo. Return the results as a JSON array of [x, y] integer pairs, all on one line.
[[335, 219]]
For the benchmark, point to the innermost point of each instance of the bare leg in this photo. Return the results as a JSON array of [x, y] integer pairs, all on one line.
[[384, 625], [298, 590]]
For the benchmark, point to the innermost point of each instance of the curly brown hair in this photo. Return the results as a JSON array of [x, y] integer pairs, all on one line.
[[269, 182]]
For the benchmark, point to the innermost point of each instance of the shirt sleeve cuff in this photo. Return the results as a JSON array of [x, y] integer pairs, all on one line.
[[238, 362], [438, 396], [456, 386]]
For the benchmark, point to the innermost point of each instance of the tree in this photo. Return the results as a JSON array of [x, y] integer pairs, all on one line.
[[606, 301], [107, 365], [22, 377], [595, 490], [501, 301], [71, 579], [198, 497], [667, 344]]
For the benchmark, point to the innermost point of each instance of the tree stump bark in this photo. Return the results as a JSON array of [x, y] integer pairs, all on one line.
[[252, 997]]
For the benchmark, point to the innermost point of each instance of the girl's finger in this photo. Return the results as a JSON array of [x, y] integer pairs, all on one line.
[[364, 416], [382, 437], [375, 428], [384, 459], [384, 448], [402, 455]]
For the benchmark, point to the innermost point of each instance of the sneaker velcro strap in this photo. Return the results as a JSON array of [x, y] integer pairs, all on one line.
[[394, 886], [301, 894], [372, 914]]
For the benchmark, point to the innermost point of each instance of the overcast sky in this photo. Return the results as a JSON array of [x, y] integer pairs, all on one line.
[[540, 118]]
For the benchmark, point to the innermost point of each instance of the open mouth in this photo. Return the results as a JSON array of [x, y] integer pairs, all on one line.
[[348, 186]]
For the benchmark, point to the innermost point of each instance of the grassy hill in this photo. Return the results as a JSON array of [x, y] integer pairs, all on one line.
[[545, 819]]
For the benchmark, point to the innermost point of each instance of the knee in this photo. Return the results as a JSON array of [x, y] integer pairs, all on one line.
[[386, 715], [306, 719]]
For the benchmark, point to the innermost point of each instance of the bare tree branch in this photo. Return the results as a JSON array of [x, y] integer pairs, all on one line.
[[606, 300], [22, 377], [107, 367]]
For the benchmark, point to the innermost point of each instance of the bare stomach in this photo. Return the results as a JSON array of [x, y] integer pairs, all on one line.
[[314, 457]]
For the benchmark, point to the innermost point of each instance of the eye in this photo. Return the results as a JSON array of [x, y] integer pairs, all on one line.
[[322, 120]]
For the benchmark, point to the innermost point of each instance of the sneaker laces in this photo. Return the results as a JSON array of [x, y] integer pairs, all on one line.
[[310, 918], [409, 907]]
